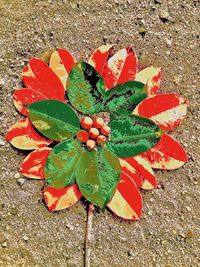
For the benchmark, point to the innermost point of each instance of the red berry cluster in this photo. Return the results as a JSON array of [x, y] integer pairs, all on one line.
[[95, 132]]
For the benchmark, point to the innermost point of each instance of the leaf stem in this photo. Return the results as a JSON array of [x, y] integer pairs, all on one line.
[[88, 235]]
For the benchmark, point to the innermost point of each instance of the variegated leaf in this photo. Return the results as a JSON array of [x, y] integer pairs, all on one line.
[[33, 165], [54, 119], [132, 135], [22, 135], [23, 97], [120, 68], [85, 88], [150, 76], [38, 76], [59, 199], [166, 154], [140, 171], [166, 110], [59, 170], [99, 57], [126, 202], [61, 62]]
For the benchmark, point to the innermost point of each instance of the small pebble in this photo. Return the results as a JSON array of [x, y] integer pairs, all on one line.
[[21, 181], [25, 238], [164, 15], [4, 244], [17, 175], [2, 143], [188, 208]]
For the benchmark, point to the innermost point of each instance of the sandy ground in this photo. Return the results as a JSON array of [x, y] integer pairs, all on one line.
[[167, 234]]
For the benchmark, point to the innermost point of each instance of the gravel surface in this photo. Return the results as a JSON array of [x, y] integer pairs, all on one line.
[[164, 33]]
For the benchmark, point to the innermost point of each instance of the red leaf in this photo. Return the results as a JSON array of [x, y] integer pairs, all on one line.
[[22, 135], [99, 57], [166, 154], [39, 77], [126, 202], [59, 199], [33, 165], [61, 62], [140, 171], [120, 68], [150, 76], [166, 110], [26, 96]]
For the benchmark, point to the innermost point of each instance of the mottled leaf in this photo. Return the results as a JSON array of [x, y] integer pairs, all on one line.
[[59, 199], [22, 135], [126, 202], [132, 135], [140, 171], [97, 175], [54, 119], [124, 97], [166, 154], [120, 68], [33, 165], [23, 97], [61, 62], [150, 76], [85, 88], [99, 57], [60, 166], [38, 76], [166, 110]]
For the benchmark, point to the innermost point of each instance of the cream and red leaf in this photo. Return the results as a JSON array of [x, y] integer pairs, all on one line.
[[61, 62], [150, 76], [59, 199], [120, 68], [126, 202], [166, 154], [33, 165], [38, 76], [100, 56], [22, 135], [140, 171], [166, 110]]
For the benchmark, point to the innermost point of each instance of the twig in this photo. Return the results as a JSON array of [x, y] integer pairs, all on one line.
[[88, 235]]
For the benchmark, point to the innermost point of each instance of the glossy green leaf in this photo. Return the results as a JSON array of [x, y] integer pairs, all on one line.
[[60, 165], [85, 88], [132, 135], [54, 119], [97, 175], [124, 97]]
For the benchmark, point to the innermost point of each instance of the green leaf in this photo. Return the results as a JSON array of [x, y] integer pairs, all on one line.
[[97, 175], [124, 97], [85, 88], [54, 119], [132, 135], [60, 165]]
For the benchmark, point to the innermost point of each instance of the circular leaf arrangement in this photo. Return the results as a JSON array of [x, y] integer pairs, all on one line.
[[98, 129]]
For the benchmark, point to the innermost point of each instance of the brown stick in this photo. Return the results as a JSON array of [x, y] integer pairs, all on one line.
[[88, 235]]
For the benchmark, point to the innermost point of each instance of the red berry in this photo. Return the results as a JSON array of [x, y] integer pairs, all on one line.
[[105, 130], [93, 132], [90, 144], [101, 139], [86, 123], [98, 122], [82, 136]]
